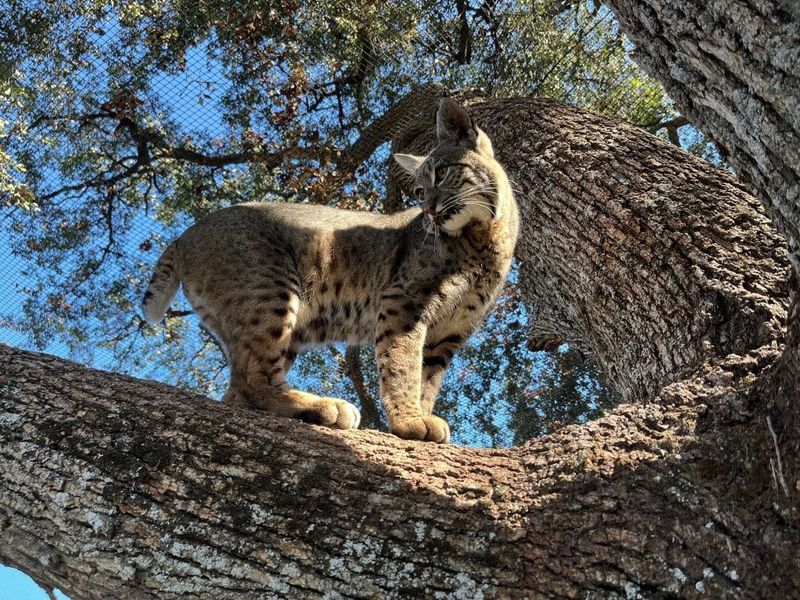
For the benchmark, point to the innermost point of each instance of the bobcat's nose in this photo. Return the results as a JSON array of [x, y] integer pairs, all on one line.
[[428, 209]]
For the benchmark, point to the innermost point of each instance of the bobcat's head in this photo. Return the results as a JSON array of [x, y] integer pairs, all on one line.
[[459, 181]]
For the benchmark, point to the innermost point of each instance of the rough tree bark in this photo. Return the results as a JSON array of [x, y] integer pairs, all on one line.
[[733, 68], [118, 488], [659, 265]]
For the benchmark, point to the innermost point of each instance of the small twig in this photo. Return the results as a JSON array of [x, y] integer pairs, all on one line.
[[108, 218], [125, 332], [369, 408], [211, 337], [350, 365], [172, 314], [777, 475]]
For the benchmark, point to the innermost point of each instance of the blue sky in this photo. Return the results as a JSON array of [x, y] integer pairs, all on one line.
[[15, 585]]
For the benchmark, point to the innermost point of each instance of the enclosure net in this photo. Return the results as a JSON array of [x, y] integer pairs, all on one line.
[[122, 123]]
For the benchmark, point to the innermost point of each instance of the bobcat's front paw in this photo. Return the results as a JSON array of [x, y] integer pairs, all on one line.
[[429, 429], [332, 412]]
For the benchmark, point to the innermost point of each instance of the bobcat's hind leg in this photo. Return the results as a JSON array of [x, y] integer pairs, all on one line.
[[260, 359]]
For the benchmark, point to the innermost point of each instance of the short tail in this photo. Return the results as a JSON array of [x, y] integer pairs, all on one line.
[[163, 287]]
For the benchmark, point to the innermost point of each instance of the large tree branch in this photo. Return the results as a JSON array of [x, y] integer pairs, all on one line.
[[641, 255], [114, 487], [415, 108]]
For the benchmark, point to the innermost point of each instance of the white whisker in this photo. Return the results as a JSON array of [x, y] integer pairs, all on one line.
[[463, 198], [427, 226], [486, 205], [481, 187], [474, 191], [514, 185], [437, 248]]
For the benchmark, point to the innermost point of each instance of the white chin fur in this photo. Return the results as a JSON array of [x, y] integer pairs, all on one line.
[[454, 224]]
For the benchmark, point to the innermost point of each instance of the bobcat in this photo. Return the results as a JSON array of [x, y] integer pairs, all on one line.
[[269, 279]]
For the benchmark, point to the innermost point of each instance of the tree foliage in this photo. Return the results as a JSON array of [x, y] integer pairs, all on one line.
[[124, 122]]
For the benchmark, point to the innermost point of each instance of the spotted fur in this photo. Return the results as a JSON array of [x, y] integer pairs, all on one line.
[[270, 279]]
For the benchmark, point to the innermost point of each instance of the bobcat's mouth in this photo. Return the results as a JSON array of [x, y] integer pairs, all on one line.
[[439, 218]]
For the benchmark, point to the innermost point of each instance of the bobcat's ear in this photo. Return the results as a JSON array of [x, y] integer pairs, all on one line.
[[483, 144], [455, 126], [409, 162]]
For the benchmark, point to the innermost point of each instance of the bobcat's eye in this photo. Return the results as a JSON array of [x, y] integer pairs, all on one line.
[[441, 173], [419, 193]]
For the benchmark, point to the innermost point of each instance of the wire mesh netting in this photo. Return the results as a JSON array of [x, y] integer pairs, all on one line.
[[121, 124]]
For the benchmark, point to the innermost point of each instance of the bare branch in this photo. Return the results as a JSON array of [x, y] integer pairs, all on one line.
[[464, 54], [350, 364], [402, 120], [108, 220], [370, 415], [486, 13], [672, 126], [148, 137]]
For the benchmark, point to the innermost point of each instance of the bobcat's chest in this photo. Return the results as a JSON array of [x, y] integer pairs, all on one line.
[[487, 251]]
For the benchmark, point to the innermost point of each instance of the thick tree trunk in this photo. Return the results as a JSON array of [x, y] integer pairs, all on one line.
[[118, 488], [658, 265], [733, 69]]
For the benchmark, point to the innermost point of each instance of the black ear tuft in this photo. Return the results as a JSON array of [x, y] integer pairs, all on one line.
[[454, 125]]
